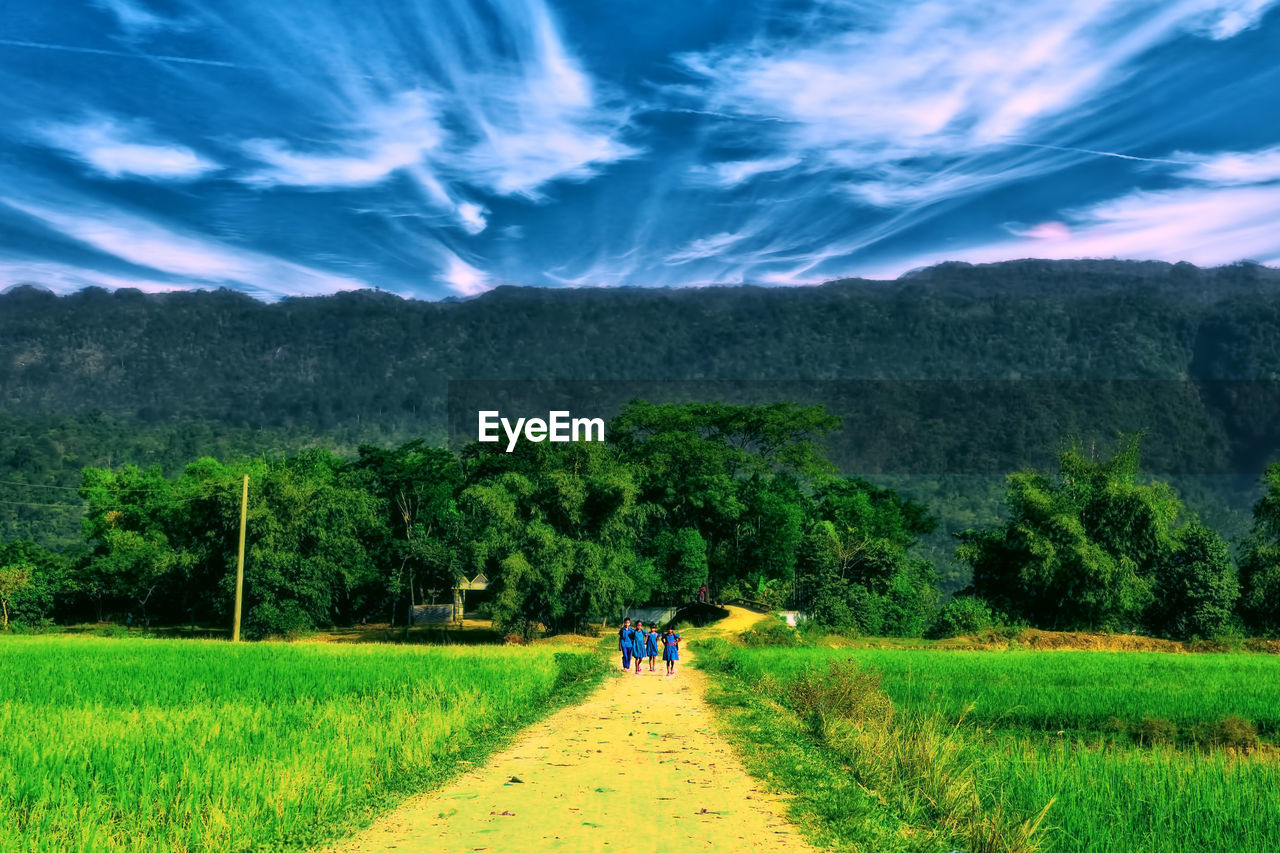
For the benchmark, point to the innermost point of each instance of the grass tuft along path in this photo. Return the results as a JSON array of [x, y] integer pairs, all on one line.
[[637, 766]]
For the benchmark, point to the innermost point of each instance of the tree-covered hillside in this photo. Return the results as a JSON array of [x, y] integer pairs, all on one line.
[[355, 357], [108, 378]]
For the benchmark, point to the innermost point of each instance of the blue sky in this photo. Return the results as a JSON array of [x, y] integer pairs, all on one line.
[[442, 147]]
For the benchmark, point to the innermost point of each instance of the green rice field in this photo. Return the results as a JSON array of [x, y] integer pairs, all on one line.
[[159, 745], [1064, 752], [1059, 690]]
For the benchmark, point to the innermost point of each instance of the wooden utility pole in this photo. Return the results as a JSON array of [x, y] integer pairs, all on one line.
[[244, 516]]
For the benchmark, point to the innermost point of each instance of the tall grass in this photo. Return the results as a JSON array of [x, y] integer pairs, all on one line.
[[921, 772], [1126, 799], [1061, 690], [943, 749], [155, 745]]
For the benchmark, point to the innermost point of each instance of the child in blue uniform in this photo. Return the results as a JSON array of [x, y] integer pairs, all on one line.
[[671, 650], [638, 643], [624, 643], [651, 646]]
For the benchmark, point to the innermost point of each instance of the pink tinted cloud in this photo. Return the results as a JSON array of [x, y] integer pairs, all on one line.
[[1051, 231], [1207, 226]]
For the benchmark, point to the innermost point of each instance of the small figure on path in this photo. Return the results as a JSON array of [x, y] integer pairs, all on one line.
[[702, 594], [624, 643], [638, 641], [671, 650], [651, 646]]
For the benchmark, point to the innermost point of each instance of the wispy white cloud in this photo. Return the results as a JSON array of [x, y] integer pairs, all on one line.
[[540, 119], [893, 93], [151, 245], [1228, 18], [1228, 215], [461, 277], [66, 278], [119, 150], [505, 115], [703, 248], [389, 137], [473, 217], [135, 18], [1233, 168], [1118, 155], [732, 173], [1053, 230], [408, 142]]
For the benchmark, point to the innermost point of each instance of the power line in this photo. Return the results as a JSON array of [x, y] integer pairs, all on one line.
[[71, 488], [38, 485], [30, 503], [111, 489], [84, 503]]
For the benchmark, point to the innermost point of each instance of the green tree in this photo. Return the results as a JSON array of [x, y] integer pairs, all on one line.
[[718, 469], [418, 485], [555, 529], [46, 571], [1080, 548], [856, 568], [314, 533], [128, 520], [1260, 563], [766, 539], [171, 545], [14, 579], [1198, 590], [681, 558]]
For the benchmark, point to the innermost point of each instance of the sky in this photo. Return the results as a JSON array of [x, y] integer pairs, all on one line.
[[441, 148]]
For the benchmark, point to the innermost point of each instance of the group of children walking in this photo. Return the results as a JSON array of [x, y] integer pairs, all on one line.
[[639, 643]]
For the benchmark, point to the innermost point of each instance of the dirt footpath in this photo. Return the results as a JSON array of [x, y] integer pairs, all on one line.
[[637, 766]]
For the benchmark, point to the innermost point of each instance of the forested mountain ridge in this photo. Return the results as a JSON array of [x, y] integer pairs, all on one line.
[[107, 378], [343, 359]]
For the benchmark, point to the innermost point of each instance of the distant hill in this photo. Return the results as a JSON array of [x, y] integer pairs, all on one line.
[[102, 377], [352, 358]]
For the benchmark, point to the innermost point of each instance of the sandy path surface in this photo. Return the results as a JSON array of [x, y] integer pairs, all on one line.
[[637, 766]]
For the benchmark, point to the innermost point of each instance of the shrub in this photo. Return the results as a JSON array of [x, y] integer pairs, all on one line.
[[1115, 726], [39, 626], [774, 594], [716, 655], [286, 619], [732, 592], [918, 764], [773, 632], [701, 615], [574, 667], [1230, 731], [1230, 637], [962, 615], [1156, 730], [843, 691]]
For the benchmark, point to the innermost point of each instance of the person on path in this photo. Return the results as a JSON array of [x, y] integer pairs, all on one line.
[[671, 650], [638, 642], [651, 646], [702, 594], [624, 643]]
